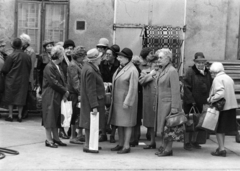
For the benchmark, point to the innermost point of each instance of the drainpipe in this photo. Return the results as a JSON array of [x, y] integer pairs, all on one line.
[[183, 45], [114, 21]]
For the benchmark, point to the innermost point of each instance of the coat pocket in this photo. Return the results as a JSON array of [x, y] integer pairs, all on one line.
[[100, 97]]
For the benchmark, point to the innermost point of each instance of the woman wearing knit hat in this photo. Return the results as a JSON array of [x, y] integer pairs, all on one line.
[[74, 86]]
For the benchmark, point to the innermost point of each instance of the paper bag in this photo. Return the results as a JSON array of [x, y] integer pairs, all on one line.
[[94, 131], [66, 113], [211, 119]]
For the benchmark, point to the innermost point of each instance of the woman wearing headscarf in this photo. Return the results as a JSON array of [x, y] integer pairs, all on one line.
[[123, 111], [168, 101], [92, 95], [53, 91], [74, 86], [223, 87], [148, 80]]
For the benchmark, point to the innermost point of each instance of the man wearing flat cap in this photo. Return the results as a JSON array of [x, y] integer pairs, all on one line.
[[197, 84]]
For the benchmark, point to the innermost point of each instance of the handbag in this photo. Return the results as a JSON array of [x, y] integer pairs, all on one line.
[[192, 119], [219, 105], [173, 120]]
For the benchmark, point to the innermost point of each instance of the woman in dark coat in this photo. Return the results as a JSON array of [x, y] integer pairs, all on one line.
[[92, 94], [17, 70], [53, 91], [197, 84]]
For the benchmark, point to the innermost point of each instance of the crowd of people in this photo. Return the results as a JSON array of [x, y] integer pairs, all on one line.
[[145, 89]]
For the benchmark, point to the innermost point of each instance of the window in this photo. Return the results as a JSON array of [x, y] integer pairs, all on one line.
[[41, 21]]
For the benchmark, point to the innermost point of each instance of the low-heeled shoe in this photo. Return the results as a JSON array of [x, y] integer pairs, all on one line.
[[60, 143], [151, 146], [124, 151], [50, 144], [9, 119], [117, 148], [86, 150], [19, 119], [165, 153], [222, 153]]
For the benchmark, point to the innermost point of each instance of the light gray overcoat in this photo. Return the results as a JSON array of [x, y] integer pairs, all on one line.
[[125, 91], [168, 95]]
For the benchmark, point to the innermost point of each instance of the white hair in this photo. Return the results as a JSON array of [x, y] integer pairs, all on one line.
[[25, 38], [217, 67], [167, 52], [57, 50]]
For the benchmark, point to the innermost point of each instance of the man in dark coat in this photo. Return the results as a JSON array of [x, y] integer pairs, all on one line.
[[197, 84], [17, 70], [92, 94]]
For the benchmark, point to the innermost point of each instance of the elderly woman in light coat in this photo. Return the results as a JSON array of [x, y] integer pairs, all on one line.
[[168, 99], [223, 87], [123, 111]]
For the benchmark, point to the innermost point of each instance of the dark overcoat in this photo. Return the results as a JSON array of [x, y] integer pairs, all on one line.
[[125, 91], [196, 88], [53, 89], [149, 86], [107, 71], [16, 69], [92, 95]]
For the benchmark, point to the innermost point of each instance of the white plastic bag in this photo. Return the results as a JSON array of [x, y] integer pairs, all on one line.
[[66, 113], [94, 131], [211, 119]]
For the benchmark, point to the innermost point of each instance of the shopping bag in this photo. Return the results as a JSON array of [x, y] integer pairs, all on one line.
[[66, 113], [209, 119], [201, 137], [94, 131]]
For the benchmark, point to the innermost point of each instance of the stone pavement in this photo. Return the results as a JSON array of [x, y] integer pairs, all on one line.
[[28, 138]]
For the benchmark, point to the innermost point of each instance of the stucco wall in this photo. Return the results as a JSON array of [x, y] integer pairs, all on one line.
[[7, 8], [212, 28], [98, 15]]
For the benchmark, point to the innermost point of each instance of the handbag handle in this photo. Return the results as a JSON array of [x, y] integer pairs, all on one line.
[[194, 109]]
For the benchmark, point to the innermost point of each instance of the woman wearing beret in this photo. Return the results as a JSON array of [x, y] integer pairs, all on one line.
[[223, 87], [92, 94], [168, 102], [53, 91], [123, 111]]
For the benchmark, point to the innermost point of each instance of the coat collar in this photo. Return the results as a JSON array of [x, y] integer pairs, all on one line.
[[123, 70], [60, 69], [94, 68], [165, 70], [194, 68]]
